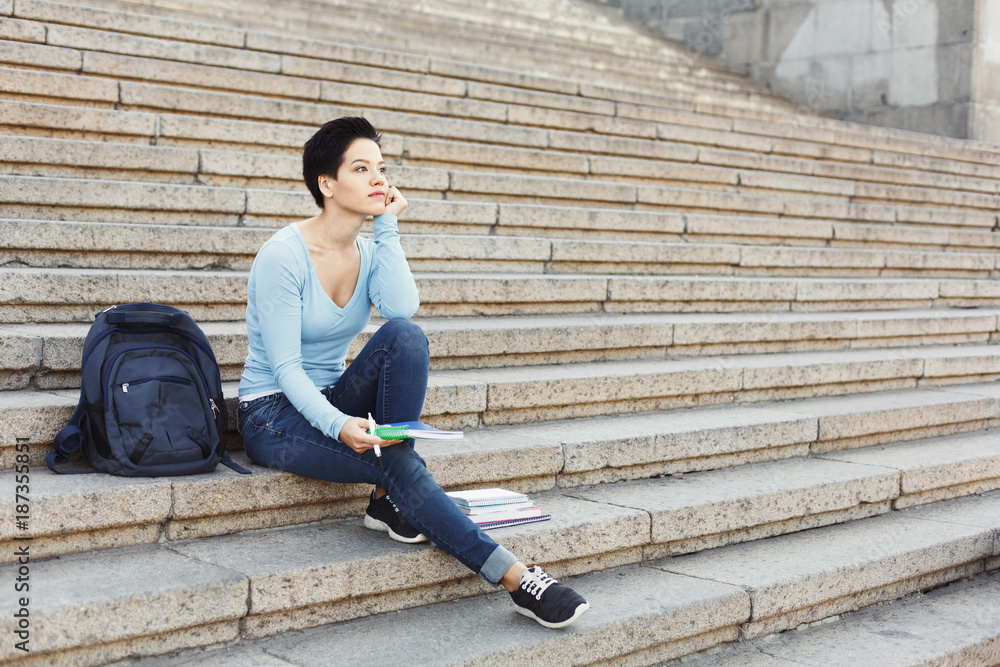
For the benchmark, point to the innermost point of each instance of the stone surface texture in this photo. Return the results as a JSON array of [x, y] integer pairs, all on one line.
[[744, 354]]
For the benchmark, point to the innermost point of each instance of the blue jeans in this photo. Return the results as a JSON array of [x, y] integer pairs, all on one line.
[[389, 379]]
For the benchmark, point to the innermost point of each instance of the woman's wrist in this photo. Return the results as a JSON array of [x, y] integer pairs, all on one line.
[[385, 226], [338, 426]]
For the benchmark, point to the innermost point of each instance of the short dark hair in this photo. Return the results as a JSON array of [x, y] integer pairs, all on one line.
[[324, 152]]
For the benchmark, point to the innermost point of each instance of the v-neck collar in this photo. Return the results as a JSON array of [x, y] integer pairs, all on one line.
[[315, 274]]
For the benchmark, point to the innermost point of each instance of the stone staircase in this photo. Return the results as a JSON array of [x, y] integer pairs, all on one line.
[[744, 355]]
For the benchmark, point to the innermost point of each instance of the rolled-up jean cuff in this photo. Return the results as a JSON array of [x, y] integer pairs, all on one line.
[[497, 565]]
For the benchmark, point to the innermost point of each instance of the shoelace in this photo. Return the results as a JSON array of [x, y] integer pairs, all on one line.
[[536, 583]]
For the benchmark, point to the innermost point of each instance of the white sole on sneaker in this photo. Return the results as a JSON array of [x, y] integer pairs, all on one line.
[[374, 524], [555, 626], [381, 526], [407, 540]]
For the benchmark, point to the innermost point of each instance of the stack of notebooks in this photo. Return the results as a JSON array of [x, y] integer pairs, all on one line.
[[495, 508]]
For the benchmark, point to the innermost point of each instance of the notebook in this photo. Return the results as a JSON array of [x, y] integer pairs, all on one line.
[[495, 509], [487, 497], [419, 430], [505, 515], [514, 522]]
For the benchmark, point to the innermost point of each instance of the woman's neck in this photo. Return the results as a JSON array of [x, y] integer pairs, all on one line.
[[332, 231]]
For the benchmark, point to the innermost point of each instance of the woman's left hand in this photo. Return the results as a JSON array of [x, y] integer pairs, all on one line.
[[394, 202]]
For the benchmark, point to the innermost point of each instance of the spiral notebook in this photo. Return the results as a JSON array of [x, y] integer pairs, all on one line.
[[494, 515], [486, 525], [481, 498], [419, 430]]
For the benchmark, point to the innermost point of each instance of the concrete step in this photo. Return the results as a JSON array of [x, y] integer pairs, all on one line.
[[610, 66], [758, 480], [77, 200], [74, 295], [684, 158], [522, 395], [928, 474], [57, 244], [565, 107], [362, 571], [39, 197], [93, 52], [823, 576], [47, 356], [923, 628], [859, 136], [572, 87], [781, 155], [477, 398], [42, 157], [18, 118], [37, 200], [68, 47], [420, 172], [651, 609], [935, 627], [580, 31]]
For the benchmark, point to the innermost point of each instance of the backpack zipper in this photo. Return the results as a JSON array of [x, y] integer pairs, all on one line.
[[164, 378], [111, 364]]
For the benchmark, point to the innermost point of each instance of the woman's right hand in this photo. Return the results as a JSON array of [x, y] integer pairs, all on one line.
[[355, 435], [394, 202]]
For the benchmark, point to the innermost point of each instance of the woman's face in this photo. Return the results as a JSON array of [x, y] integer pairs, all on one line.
[[361, 183]]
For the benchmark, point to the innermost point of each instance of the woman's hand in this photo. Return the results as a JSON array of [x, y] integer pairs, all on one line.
[[355, 435], [394, 202]]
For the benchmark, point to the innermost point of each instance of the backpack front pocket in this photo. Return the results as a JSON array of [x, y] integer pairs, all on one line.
[[160, 407]]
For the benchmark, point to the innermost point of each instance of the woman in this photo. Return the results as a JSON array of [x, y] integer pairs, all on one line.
[[310, 293]]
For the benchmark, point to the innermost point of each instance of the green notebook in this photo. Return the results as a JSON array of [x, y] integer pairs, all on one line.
[[418, 430]]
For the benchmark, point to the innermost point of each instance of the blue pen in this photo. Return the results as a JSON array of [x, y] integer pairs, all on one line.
[[378, 450]]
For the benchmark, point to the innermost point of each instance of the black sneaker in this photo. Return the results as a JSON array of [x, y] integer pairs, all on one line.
[[544, 599], [382, 515]]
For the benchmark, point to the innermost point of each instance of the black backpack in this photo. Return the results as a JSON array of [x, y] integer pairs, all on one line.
[[151, 400]]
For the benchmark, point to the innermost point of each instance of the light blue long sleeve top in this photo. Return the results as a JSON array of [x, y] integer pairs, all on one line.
[[298, 337]]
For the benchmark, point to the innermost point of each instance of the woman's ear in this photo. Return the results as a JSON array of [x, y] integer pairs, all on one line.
[[324, 185]]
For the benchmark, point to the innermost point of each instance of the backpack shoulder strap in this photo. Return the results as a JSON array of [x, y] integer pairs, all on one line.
[[68, 441], [233, 464]]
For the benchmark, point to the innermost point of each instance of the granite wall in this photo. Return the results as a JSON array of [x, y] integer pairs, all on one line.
[[924, 65]]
